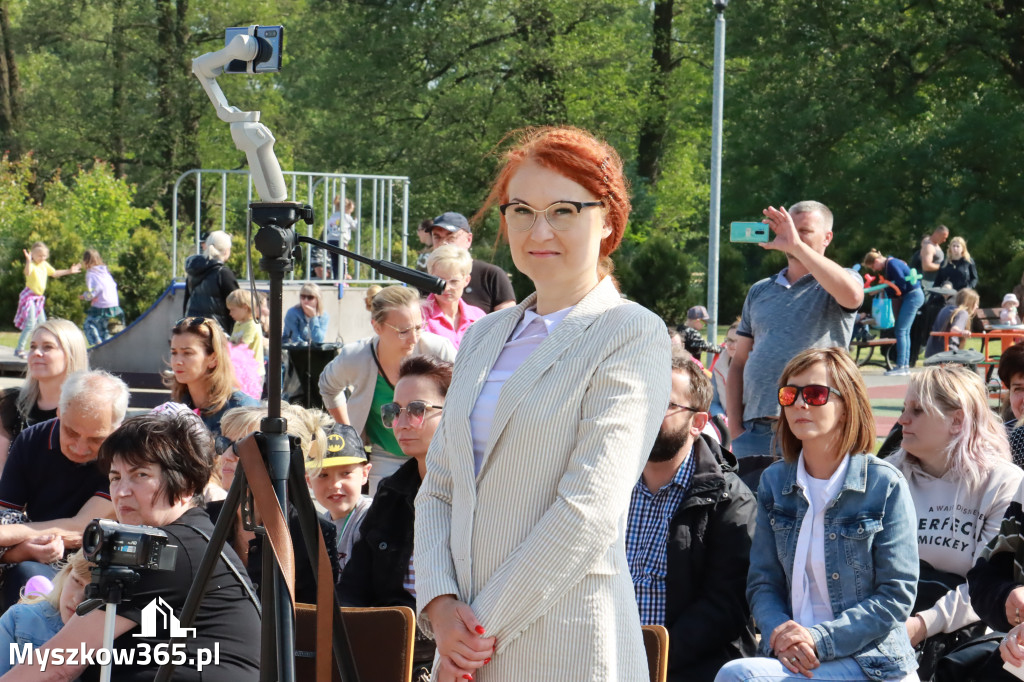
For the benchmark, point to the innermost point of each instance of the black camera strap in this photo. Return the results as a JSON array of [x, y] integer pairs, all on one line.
[[231, 566]]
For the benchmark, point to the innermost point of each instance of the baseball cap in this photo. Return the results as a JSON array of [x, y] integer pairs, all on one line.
[[452, 222], [697, 312], [344, 446]]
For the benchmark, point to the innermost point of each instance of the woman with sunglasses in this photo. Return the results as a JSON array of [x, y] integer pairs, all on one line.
[[306, 323], [201, 375], [833, 567], [521, 568], [361, 379], [956, 459], [381, 569]]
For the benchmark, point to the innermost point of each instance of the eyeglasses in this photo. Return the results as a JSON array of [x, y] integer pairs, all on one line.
[[416, 410], [677, 406], [561, 215], [404, 333], [307, 297], [814, 394]]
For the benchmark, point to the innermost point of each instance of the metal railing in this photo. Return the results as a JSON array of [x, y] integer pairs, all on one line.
[[381, 215]]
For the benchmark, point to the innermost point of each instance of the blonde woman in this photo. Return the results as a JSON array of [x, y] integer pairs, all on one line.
[[959, 270], [363, 375], [37, 618], [210, 281], [955, 317], [201, 375], [956, 459], [57, 349], [306, 322], [447, 315]]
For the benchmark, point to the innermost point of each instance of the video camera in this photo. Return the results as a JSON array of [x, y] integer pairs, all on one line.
[[108, 543]]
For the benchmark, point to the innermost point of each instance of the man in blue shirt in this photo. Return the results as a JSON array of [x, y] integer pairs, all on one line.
[[811, 303], [691, 521]]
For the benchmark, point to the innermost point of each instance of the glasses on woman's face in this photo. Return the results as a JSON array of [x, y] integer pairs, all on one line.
[[404, 333], [814, 395], [307, 297], [415, 411], [561, 215]]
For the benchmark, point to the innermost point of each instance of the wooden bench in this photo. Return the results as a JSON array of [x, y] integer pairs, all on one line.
[[885, 361]]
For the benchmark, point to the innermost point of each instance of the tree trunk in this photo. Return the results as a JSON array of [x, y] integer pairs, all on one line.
[[10, 88], [655, 123]]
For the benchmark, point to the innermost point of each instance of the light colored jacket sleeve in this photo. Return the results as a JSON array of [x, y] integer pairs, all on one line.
[[953, 610], [621, 412]]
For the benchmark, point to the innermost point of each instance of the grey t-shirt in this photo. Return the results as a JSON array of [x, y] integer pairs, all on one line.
[[784, 319]]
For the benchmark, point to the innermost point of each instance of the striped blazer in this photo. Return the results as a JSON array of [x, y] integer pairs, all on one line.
[[535, 542]]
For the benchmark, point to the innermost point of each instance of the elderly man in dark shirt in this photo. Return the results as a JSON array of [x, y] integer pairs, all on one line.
[[50, 489]]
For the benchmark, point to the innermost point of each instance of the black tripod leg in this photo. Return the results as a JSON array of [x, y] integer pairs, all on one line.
[[310, 533], [201, 581]]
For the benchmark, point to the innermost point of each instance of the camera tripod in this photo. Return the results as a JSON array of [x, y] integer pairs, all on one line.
[[110, 586], [277, 242]]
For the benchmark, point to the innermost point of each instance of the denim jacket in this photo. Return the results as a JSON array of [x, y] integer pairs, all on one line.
[[870, 558], [22, 624]]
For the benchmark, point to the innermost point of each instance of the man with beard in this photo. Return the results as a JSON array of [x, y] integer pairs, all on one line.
[[691, 521]]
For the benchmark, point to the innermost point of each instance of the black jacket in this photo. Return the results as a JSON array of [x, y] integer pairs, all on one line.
[[960, 273], [376, 570], [207, 288], [380, 558], [709, 540]]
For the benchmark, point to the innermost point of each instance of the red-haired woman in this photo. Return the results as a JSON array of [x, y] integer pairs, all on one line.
[[520, 557]]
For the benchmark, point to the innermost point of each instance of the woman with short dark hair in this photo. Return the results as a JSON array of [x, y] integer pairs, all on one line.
[[158, 465]]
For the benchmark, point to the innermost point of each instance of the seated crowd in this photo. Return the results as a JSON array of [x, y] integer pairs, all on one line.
[[849, 595]]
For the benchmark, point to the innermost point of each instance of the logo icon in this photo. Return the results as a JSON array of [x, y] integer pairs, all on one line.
[[158, 615]]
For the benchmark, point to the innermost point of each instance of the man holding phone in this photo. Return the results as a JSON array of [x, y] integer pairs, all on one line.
[[811, 303]]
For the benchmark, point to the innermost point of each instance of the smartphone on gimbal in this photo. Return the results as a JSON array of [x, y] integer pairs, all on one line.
[[271, 41]]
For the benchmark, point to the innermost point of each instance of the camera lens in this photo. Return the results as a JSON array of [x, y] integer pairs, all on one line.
[[92, 538]]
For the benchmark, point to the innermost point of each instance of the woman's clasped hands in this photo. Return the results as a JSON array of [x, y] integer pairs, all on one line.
[[794, 646], [461, 640]]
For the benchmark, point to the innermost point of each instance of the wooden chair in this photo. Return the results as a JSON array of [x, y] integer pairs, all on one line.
[[656, 644], [381, 640]]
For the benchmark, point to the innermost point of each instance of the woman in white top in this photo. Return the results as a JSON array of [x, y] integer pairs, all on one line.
[[956, 459], [521, 569], [833, 567]]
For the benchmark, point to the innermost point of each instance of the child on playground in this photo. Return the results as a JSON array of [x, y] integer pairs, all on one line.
[[32, 299], [246, 335], [101, 292], [337, 483]]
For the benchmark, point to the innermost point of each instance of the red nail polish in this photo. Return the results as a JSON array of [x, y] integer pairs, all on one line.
[[479, 629], [487, 661], [467, 677]]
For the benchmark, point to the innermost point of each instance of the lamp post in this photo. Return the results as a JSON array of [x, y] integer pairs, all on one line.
[[716, 167]]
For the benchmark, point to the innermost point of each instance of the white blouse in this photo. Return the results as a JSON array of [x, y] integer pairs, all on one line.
[[529, 334]]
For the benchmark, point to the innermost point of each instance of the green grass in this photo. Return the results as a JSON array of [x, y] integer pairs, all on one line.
[[9, 339]]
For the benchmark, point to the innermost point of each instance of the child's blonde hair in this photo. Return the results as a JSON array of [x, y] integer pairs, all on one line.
[[77, 564], [240, 298], [39, 245]]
